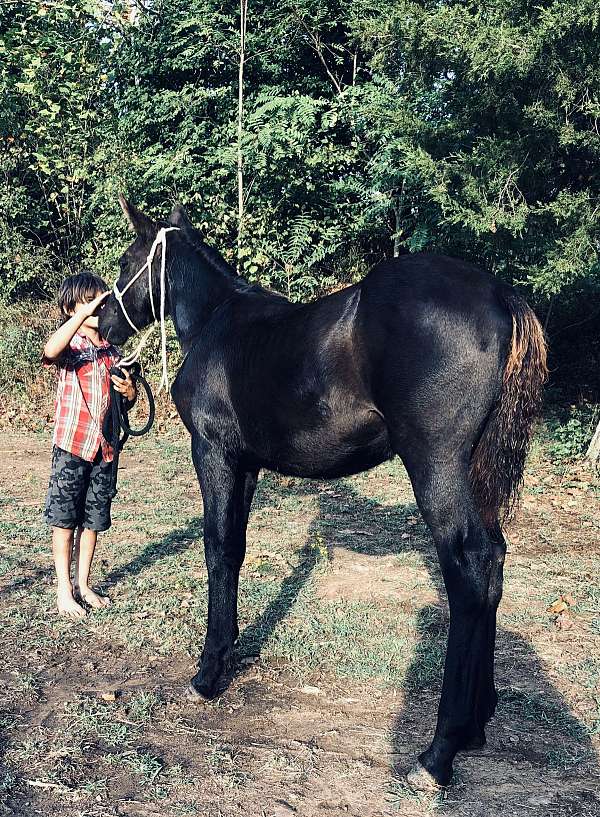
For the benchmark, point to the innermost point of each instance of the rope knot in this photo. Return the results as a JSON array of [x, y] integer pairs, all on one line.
[[159, 241]]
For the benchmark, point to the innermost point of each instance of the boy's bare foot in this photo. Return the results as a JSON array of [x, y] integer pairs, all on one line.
[[67, 606], [92, 598]]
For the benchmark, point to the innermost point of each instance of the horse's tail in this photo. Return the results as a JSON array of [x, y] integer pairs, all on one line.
[[498, 459]]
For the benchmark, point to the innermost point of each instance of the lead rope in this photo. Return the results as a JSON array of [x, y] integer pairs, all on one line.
[[117, 419], [160, 240]]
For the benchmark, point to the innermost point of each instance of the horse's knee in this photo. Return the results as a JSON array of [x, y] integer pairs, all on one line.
[[471, 595], [469, 571]]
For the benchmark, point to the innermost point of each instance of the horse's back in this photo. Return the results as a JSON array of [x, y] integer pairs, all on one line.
[[426, 289]]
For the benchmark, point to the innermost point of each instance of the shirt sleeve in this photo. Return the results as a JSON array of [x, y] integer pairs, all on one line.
[[62, 360]]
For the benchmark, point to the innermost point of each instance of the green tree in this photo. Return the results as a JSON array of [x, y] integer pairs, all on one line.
[[54, 61]]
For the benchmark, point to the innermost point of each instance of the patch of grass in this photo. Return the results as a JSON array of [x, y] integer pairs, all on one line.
[[27, 683], [566, 758], [400, 793], [93, 789], [225, 764], [142, 707], [525, 705], [142, 763], [8, 720], [7, 781], [8, 564], [427, 664], [90, 717]]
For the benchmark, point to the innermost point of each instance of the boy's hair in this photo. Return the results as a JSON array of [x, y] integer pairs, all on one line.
[[79, 288]]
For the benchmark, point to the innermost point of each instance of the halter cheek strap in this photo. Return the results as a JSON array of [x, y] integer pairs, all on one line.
[[159, 241]]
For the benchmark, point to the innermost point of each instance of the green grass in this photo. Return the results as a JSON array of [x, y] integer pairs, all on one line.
[[152, 565], [400, 794]]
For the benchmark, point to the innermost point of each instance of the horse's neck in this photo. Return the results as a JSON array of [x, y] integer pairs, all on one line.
[[196, 289]]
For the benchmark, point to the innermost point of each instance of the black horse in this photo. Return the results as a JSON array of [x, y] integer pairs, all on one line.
[[427, 358]]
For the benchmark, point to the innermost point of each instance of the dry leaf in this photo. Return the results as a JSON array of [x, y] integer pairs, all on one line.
[[558, 606], [561, 604]]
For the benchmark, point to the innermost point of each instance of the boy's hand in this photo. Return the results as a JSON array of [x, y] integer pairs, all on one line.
[[87, 310], [124, 385], [59, 340]]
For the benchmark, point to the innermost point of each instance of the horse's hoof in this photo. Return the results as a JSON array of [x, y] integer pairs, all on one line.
[[421, 780], [199, 694], [193, 695]]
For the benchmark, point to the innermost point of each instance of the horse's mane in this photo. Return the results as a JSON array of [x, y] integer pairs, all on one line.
[[215, 260], [208, 254]]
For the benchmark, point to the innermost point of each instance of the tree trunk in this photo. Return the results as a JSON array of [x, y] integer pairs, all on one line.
[[593, 452], [398, 208]]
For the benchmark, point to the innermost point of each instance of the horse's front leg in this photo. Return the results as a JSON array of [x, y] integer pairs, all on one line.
[[227, 493]]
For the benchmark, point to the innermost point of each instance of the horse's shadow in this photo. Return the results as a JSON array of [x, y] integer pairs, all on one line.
[[176, 541], [534, 739], [536, 746]]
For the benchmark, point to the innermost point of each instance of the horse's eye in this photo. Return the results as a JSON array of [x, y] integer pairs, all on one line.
[[123, 263]]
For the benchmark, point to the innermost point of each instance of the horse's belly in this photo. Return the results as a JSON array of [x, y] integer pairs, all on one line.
[[335, 450]]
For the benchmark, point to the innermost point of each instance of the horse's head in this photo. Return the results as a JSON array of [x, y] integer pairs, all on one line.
[[139, 292]]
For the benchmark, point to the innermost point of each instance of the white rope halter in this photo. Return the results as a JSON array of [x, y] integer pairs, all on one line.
[[160, 240]]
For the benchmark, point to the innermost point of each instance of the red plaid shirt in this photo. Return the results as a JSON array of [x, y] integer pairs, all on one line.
[[83, 397]]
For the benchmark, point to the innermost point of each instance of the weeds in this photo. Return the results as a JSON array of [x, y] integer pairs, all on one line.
[[570, 430]]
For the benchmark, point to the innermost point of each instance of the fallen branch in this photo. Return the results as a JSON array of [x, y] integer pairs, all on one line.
[[46, 784]]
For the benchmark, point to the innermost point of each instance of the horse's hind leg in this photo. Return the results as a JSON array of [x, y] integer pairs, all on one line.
[[467, 556], [488, 704]]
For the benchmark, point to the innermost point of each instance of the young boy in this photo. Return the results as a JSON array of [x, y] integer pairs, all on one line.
[[78, 499]]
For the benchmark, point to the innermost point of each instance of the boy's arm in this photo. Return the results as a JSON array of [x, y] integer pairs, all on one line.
[[59, 340]]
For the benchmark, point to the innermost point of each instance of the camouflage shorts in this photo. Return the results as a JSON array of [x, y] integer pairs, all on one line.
[[79, 493]]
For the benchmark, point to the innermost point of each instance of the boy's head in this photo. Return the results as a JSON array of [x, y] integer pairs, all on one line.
[[79, 289]]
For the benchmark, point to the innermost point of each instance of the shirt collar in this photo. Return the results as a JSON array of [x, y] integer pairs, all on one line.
[[83, 340]]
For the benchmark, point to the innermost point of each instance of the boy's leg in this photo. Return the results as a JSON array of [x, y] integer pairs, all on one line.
[[84, 555], [62, 549], [96, 518], [63, 511]]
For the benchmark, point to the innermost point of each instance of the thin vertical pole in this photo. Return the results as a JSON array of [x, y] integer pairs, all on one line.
[[240, 122]]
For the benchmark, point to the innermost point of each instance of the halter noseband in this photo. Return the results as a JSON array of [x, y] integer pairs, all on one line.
[[160, 240]]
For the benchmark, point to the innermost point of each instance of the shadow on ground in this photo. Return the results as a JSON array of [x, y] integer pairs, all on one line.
[[176, 541], [539, 759]]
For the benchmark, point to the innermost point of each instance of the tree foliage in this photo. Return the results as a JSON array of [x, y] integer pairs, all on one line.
[[369, 129]]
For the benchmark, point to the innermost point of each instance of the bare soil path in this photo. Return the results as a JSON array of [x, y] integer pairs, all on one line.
[[343, 621]]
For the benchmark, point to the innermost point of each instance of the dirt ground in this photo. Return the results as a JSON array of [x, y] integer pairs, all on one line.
[[343, 621]]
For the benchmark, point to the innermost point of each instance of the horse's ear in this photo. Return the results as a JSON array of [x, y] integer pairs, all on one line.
[[179, 218], [139, 222]]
